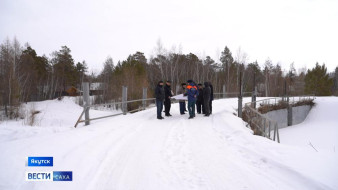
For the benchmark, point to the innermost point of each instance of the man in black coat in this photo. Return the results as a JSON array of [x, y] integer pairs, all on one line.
[[200, 100], [207, 97], [167, 102], [159, 94]]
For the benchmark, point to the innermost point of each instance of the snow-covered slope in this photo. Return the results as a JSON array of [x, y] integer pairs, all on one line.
[[320, 127], [137, 151], [55, 116]]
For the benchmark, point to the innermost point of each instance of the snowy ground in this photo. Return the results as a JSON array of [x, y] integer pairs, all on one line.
[[55, 116], [320, 127], [137, 151]]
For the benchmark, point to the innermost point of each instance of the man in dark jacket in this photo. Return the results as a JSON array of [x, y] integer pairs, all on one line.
[[211, 96], [159, 94], [182, 102], [200, 101], [207, 97], [192, 94], [167, 102]]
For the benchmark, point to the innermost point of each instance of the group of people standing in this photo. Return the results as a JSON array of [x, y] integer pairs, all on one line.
[[197, 95]]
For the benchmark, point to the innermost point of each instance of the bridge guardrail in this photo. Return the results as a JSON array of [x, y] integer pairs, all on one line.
[[261, 122], [264, 124]]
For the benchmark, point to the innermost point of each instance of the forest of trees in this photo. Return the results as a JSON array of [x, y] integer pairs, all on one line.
[[26, 76]]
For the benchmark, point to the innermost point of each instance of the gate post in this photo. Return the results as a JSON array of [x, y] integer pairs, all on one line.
[[254, 93], [285, 97], [240, 97], [124, 99], [224, 95], [253, 98], [289, 111], [289, 115], [86, 103], [144, 97]]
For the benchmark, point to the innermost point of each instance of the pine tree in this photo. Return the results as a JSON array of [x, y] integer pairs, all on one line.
[[335, 88], [317, 81], [227, 61], [252, 72], [64, 68], [106, 78], [81, 69], [33, 71]]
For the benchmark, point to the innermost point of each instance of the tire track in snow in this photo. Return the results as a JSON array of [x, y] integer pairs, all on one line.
[[114, 160], [132, 158], [180, 159], [212, 157]]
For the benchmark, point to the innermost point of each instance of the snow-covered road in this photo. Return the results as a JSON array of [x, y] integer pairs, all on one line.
[[137, 151]]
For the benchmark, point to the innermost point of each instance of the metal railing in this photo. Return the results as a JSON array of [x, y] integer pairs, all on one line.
[[219, 95], [258, 121], [123, 105], [264, 124], [279, 100]]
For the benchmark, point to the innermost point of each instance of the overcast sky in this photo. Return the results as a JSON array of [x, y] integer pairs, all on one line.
[[286, 31]]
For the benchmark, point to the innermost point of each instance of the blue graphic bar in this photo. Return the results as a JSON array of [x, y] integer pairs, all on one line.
[[40, 161], [62, 176]]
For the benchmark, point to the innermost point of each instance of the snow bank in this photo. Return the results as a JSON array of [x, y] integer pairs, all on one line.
[[320, 128], [55, 116]]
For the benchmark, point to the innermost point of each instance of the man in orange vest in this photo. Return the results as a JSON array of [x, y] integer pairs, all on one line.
[[192, 93]]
